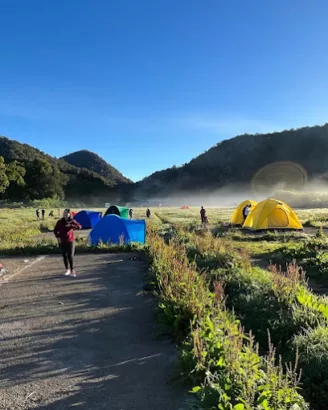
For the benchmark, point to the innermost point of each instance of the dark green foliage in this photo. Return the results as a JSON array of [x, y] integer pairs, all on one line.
[[11, 175], [4, 182], [94, 163], [236, 161], [313, 355], [262, 305], [216, 355], [43, 180], [311, 255], [35, 175], [16, 173]]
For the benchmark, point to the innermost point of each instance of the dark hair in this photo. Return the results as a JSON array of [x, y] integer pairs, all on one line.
[[68, 211]]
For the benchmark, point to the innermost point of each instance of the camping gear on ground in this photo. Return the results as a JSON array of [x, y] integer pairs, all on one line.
[[88, 219], [121, 211], [272, 214], [237, 218], [114, 229]]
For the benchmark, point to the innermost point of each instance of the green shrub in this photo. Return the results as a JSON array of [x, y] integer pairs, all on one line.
[[236, 377], [311, 255], [312, 346], [276, 301], [216, 355]]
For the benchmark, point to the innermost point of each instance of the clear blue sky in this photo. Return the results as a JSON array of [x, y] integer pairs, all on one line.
[[148, 84]]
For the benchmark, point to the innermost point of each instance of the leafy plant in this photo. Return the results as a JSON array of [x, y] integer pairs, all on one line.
[[216, 355]]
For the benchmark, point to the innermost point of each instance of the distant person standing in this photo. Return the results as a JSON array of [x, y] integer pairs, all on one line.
[[131, 213], [203, 214], [148, 214], [64, 232], [37, 212], [51, 214], [43, 213], [246, 211]]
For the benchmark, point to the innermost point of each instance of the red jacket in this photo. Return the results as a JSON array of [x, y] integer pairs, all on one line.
[[64, 230]]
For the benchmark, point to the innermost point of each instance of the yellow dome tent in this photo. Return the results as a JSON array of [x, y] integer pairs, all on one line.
[[237, 217], [272, 214]]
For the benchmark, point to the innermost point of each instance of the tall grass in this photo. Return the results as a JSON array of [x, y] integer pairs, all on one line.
[[277, 300], [221, 360]]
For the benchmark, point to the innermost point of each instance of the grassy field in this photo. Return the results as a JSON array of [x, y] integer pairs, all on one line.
[[220, 292], [20, 229], [221, 277]]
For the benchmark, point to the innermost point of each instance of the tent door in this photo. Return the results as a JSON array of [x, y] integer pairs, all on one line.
[[278, 219]]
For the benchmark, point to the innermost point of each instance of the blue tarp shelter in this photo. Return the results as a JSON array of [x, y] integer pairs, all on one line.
[[114, 229], [88, 219]]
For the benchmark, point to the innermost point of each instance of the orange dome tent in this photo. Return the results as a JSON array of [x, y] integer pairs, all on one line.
[[185, 207]]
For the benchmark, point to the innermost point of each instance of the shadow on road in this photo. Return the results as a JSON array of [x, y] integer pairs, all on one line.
[[84, 343]]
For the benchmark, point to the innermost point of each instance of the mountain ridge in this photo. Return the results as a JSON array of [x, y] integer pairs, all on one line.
[[93, 162], [239, 159], [47, 176], [289, 158]]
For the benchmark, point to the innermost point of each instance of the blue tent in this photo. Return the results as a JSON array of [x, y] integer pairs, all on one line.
[[114, 229], [88, 219]]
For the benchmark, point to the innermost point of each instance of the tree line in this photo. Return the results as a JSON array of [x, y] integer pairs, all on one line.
[[29, 174]]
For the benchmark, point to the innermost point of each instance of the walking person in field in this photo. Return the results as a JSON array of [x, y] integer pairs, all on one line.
[[64, 232], [43, 213], [203, 214], [37, 213]]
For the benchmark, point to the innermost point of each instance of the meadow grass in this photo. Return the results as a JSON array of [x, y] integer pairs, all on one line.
[[221, 360], [278, 300], [20, 229], [208, 287], [21, 233]]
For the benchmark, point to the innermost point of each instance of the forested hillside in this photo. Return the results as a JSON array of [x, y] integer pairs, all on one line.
[[238, 160], [32, 174], [94, 163]]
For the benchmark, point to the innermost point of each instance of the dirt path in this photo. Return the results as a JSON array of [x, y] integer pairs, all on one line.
[[84, 343]]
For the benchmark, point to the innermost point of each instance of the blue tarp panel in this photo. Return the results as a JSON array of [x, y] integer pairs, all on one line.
[[114, 229], [88, 219]]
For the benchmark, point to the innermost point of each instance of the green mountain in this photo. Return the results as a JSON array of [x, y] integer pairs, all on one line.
[[260, 162], [93, 162], [46, 176], [282, 160]]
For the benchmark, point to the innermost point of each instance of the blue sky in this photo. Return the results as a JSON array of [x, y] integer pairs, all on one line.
[[149, 84]]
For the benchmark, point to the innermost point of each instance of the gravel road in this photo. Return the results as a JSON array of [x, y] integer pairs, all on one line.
[[84, 343]]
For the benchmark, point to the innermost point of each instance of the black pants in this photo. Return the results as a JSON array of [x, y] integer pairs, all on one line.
[[67, 249]]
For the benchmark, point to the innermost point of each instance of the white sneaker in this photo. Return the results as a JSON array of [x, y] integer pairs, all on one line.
[[73, 274], [67, 273]]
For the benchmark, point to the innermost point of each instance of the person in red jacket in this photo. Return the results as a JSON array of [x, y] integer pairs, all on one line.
[[64, 232]]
